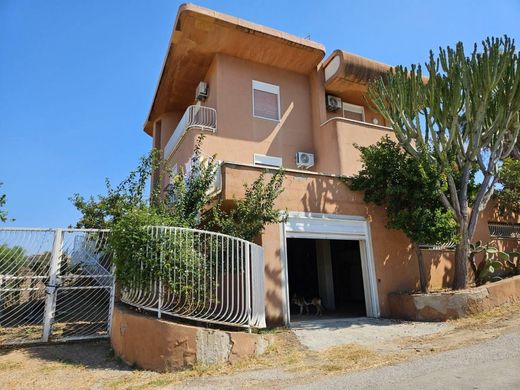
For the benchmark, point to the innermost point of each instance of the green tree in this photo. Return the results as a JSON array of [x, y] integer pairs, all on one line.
[[248, 216], [188, 195], [408, 189], [3, 212], [465, 115], [126, 210], [102, 211], [509, 195]]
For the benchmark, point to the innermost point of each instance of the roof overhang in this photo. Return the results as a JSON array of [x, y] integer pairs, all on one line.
[[200, 33], [347, 73]]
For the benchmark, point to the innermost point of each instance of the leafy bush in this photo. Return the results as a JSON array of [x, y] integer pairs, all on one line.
[[496, 264], [3, 201], [140, 256], [409, 191], [251, 214], [509, 195]]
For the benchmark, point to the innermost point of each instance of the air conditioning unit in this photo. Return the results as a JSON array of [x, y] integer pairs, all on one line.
[[304, 160], [201, 93], [333, 103]]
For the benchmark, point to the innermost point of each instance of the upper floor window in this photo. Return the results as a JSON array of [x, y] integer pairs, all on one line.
[[353, 111], [266, 100]]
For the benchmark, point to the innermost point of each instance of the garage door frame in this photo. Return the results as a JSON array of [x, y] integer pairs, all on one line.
[[331, 227]]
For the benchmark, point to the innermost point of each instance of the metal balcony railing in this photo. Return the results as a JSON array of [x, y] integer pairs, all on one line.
[[204, 118]]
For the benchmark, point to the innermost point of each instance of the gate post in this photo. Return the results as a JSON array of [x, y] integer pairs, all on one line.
[[50, 290]]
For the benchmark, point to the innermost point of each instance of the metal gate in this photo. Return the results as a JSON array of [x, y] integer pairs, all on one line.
[[55, 285]]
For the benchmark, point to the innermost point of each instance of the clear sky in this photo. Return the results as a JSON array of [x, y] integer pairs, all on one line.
[[77, 77]]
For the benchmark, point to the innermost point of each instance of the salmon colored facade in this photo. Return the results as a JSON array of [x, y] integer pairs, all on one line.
[[234, 59]]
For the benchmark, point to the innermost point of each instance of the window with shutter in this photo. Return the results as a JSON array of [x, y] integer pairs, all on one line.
[[266, 100], [355, 112]]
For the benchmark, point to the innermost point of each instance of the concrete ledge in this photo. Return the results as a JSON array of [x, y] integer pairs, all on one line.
[[449, 305], [158, 345]]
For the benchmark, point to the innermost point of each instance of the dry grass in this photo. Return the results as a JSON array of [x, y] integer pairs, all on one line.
[[20, 369]]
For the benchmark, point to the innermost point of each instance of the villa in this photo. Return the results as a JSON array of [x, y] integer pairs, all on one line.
[[267, 99]]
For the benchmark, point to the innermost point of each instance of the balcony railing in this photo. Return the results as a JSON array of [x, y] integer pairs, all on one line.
[[203, 118]]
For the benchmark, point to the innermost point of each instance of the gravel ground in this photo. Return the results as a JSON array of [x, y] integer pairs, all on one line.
[[493, 365], [481, 352]]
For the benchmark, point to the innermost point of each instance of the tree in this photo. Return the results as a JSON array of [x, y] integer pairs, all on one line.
[[186, 202], [3, 212], [408, 190], [251, 214], [509, 196], [465, 116], [101, 212]]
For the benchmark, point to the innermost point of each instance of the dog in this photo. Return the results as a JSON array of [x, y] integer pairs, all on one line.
[[302, 303]]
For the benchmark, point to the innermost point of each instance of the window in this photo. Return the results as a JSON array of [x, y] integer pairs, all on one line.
[[266, 100], [352, 111]]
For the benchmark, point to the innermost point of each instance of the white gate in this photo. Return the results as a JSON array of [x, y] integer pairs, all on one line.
[[55, 285]]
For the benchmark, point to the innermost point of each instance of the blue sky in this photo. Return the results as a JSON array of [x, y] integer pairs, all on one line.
[[77, 77]]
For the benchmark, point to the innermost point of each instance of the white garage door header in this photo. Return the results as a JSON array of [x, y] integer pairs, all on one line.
[[326, 226]]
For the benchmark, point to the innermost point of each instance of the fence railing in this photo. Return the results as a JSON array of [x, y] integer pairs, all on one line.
[[199, 275], [201, 117], [504, 230], [55, 284]]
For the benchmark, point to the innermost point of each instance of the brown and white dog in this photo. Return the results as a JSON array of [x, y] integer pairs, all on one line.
[[304, 304]]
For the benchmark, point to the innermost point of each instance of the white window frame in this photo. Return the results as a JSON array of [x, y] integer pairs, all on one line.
[[265, 87], [353, 108]]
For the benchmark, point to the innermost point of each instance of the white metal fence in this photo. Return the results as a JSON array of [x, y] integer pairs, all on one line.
[[195, 116], [55, 284], [203, 276]]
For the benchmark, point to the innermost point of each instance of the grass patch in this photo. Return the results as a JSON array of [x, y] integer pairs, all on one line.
[[4, 366]]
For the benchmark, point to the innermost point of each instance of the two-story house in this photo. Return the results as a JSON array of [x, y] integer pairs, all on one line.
[[266, 99]]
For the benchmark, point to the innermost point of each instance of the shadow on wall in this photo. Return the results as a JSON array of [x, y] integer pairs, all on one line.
[[439, 265], [273, 292], [395, 260]]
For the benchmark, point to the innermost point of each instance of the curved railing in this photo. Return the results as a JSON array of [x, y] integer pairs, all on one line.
[[200, 275]]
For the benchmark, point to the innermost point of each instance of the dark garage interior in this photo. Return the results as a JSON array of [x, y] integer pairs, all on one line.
[[329, 270]]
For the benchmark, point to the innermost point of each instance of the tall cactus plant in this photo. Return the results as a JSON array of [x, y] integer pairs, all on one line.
[[464, 116]]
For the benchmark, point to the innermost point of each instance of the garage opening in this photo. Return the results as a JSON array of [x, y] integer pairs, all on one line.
[[329, 271]]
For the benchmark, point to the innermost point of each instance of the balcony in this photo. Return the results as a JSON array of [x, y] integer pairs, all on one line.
[[195, 117], [337, 152]]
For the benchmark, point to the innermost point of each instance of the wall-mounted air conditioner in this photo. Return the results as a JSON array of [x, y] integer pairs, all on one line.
[[201, 93], [333, 103], [304, 160]]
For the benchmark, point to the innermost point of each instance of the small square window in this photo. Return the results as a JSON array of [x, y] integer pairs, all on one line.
[[266, 100]]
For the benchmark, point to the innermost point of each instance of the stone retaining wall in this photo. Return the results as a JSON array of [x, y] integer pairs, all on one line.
[[448, 305], [159, 345]]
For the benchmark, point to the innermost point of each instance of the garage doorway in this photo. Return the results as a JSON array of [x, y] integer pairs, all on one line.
[[328, 270], [328, 257]]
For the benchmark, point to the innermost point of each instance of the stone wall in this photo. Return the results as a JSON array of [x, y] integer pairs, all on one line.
[[449, 305]]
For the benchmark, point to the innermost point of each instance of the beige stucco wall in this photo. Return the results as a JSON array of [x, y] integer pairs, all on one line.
[[239, 134], [395, 261]]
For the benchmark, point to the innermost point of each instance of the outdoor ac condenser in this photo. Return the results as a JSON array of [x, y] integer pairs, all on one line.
[[304, 160], [333, 103]]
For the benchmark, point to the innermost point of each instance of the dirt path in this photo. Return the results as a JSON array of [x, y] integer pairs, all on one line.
[[287, 363]]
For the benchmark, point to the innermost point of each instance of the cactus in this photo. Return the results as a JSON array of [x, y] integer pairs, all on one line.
[[496, 264]]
